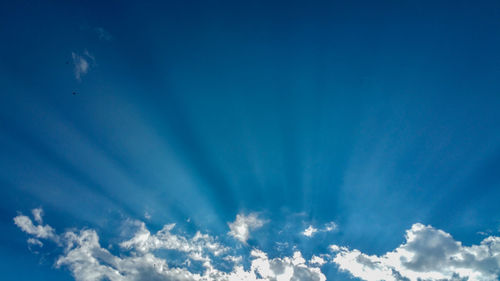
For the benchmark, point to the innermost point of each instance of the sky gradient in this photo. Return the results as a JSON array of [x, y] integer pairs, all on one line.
[[273, 127]]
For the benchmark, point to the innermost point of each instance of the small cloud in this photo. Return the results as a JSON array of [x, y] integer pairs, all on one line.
[[331, 226], [103, 34], [241, 227], [309, 232], [327, 227], [37, 215], [39, 231], [33, 241], [316, 260], [147, 215], [82, 64]]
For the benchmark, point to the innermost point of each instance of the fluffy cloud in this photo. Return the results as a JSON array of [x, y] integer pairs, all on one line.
[[327, 227], [427, 254], [310, 231], [197, 246], [39, 231], [82, 64], [138, 261], [241, 227]]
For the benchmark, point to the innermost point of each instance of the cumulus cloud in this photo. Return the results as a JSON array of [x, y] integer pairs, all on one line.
[[327, 227], [197, 246], [241, 227], [428, 254], [82, 64], [317, 260], [87, 260]]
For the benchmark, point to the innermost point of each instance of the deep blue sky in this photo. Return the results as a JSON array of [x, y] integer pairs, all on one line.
[[372, 114]]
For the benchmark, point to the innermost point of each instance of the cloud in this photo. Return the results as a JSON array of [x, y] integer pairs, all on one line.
[[241, 227], [331, 226], [137, 259], [197, 246], [82, 64], [317, 260], [103, 34], [309, 232], [39, 231], [428, 254], [327, 227], [37, 215], [33, 241]]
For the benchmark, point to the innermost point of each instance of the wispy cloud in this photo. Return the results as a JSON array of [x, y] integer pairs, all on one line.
[[103, 34], [137, 259], [82, 64]]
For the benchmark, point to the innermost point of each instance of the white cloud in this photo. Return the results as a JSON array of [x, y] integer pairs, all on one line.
[[309, 232], [327, 227], [82, 64], [39, 231], [37, 215], [34, 241], [316, 260], [241, 227], [89, 261], [428, 254], [197, 246], [331, 226]]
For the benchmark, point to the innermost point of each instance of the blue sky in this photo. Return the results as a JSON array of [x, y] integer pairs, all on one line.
[[374, 126]]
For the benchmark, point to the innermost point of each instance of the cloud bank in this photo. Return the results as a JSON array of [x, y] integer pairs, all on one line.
[[428, 254], [140, 259]]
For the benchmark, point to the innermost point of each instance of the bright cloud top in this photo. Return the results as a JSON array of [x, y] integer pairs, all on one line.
[[241, 227], [427, 254]]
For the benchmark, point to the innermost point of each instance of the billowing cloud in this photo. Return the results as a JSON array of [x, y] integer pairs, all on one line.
[[87, 260], [428, 254], [82, 64], [241, 227]]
